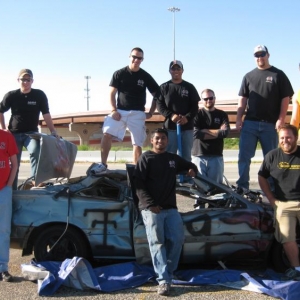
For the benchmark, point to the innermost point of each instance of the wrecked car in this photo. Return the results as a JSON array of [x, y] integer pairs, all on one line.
[[97, 218]]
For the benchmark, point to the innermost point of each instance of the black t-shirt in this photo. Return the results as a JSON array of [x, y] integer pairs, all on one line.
[[155, 178], [285, 170], [25, 109], [181, 98], [206, 119], [265, 89], [132, 87]]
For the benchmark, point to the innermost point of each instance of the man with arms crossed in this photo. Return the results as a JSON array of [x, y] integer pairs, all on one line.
[[211, 126], [128, 111], [283, 165], [8, 170], [155, 182], [266, 92]]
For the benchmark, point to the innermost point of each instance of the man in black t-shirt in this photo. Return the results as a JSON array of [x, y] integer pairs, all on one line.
[[211, 126], [129, 84], [265, 92], [26, 104], [177, 101], [283, 165], [155, 182]]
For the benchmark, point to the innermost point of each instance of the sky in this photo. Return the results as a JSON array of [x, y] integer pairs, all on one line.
[[62, 41]]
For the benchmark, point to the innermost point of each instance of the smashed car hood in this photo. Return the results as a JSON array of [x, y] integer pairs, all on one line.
[[57, 157]]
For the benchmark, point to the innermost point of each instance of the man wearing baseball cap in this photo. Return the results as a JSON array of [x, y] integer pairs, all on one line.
[[26, 104], [266, 92], [177, 101]]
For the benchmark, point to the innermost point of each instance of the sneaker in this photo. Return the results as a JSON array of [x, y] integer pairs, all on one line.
[[291, 274], [187, 184], [164, 289], [98, 169], [6, 276]]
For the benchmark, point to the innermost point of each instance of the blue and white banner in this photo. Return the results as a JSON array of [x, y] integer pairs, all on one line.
[[78, 273]]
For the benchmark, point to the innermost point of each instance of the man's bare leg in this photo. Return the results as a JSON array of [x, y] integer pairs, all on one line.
[[292, 252], [105, 147], [137, 152]]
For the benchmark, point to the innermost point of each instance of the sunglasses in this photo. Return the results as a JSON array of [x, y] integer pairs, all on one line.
[[261, 54], [25, 79], [176, 69], [208, 98], [137, 57]]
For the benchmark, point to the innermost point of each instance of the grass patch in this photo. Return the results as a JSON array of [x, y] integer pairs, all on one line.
[[233, 144], [86, 148], [229, 144], [120, 148]]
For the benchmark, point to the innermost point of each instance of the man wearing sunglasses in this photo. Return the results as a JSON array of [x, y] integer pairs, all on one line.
[[211, 126], [26, 104], [177, 101], [129, 84], [265, 92]]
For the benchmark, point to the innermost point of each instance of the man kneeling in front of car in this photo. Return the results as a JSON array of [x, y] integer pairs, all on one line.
[[283, 165]]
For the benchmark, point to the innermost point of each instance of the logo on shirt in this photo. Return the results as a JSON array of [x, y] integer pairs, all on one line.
[[172, 164], [2, 164], [286, 165], [140, 82], [269, 79], [184, 93], [217, 121], [2, 145], [31, 102]]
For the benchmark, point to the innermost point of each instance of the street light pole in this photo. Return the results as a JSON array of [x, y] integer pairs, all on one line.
[[87, 91], [173, 10]]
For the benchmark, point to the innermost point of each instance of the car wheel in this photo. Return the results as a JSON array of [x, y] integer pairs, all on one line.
[[279, 259], [69, 245]]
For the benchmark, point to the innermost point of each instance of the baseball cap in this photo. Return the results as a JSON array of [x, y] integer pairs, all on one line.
[[24, 72], [176, 62], [260, 48]]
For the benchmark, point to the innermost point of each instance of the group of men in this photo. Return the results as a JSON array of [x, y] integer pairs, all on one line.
[[177, 100], [264, 95]]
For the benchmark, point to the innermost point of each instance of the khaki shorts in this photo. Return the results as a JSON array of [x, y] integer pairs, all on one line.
[[287, 214], [133, 120]]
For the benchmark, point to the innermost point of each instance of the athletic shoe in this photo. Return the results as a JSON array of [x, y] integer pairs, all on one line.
[[291, 274], [6, 276], [164, 289], [98, 169]]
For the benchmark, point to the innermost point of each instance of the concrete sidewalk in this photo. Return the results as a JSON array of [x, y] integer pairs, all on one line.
[[126, 156]]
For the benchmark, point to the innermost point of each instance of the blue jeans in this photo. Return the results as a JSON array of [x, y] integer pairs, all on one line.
[[251, 133], [165, 237], [186, 143], [33, 147], [5, 226], [210, 166]]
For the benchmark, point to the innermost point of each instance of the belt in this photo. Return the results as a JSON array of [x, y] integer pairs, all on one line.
[[258, 120]]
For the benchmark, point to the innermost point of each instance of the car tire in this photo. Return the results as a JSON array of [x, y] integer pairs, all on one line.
[[69, 245]]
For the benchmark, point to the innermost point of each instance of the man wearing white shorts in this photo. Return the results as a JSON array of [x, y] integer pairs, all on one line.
[[128, 110]]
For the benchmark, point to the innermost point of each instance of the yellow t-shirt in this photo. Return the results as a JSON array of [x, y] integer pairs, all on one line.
[[297, 117]]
